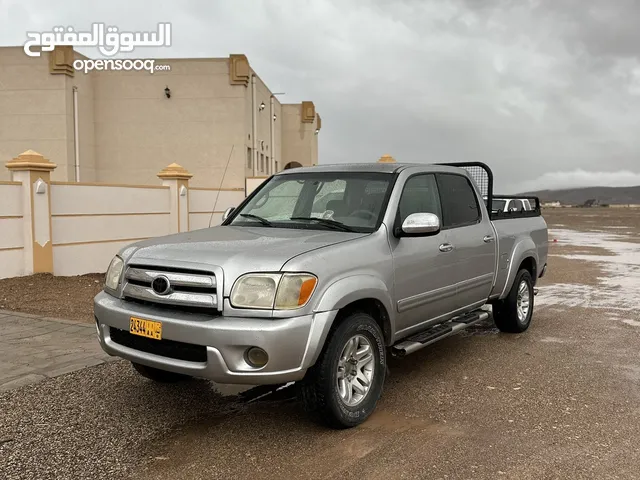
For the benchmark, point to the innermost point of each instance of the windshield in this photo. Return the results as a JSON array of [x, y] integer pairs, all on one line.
[[347, 201]]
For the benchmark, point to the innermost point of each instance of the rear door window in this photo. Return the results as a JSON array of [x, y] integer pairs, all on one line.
[[459, 202]]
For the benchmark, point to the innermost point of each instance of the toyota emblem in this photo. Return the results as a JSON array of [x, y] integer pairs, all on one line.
[[161, 285]]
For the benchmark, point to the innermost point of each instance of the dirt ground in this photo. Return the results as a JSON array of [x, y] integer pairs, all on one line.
[[615, 220], [560, 401], [43, 294]]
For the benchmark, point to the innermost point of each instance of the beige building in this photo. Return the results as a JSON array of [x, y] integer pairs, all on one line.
[[124, 126]]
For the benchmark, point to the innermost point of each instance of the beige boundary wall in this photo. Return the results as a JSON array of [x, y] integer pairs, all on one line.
[[251, 183], [67, 228]]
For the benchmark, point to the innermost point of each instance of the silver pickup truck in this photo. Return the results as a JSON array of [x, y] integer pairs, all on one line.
[[319, 275]]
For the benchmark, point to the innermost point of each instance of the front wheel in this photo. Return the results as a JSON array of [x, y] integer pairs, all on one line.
[[344, 386], [513, 313]]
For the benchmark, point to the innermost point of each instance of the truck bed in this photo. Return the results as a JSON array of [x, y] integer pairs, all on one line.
[[518, 233]]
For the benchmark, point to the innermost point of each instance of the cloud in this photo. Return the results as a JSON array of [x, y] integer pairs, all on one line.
[[579, 178], [529, 87]]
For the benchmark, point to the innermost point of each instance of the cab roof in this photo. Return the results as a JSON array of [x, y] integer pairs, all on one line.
[[357, 167]]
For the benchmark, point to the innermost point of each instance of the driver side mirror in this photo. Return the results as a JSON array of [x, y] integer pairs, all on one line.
[[227, 212], [420, 225]]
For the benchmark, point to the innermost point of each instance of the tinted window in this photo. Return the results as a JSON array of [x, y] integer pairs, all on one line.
[[459, 203], [420, 195]]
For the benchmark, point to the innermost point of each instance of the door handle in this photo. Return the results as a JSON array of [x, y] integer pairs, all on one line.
[[487, 239], [446, 247]]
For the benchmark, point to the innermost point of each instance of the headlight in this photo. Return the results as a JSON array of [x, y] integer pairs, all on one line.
[[113, 273], [273, 290], [295, 290]]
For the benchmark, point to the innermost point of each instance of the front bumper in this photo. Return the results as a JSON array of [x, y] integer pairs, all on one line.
[[293, 344]]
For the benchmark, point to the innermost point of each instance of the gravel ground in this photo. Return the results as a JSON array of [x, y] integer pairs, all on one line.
[[60, 297], [559, 401], [98, 422]]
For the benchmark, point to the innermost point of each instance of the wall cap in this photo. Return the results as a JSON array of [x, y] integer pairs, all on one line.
[[174, 172], [30, 161]]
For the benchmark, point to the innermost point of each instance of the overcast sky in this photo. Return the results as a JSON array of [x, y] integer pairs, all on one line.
[[546, 92]]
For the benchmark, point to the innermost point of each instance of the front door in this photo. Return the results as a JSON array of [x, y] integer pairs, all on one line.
[[425, 269]]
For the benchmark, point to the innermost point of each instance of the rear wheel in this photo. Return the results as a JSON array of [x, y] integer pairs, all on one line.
[[513, 313], [157, 375], [344, 386]]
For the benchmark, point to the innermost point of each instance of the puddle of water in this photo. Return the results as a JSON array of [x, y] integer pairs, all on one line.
[[633, 323], [618, 290]]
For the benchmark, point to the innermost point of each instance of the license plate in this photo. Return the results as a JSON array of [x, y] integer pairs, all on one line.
[[145, 328]]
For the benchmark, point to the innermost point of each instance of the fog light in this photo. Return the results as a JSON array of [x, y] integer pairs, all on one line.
[[256, 357]]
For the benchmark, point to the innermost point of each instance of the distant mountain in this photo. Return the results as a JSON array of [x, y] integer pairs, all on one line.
[[577, 196]]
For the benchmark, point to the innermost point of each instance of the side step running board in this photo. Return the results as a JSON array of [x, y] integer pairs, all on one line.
[[437, 332]]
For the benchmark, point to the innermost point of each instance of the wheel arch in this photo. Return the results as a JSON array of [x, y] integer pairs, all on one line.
[[524, 255], [360, 292], [531, 265]]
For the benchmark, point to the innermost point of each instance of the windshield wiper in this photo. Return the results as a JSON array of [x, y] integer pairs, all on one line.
[[329, 223], [263, 221]]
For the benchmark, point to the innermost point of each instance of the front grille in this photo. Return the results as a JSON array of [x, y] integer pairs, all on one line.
[[164, 348], [190, 290], [174, 308]]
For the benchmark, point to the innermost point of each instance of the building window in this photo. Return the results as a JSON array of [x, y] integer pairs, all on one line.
[[268, 166], [249, 164], [275, 167], [262, 162]]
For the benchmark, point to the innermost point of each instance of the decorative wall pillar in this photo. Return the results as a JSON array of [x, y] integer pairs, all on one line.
[[176, 177], [33, 171]]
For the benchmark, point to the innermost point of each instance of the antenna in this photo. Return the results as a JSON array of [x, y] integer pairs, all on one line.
[[221, 182]]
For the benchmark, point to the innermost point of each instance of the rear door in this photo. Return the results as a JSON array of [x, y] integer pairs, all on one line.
[[470, 233]]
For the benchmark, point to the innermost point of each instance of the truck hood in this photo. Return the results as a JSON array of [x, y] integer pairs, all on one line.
[[236, 250]]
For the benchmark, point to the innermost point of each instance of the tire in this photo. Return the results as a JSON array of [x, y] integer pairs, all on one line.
[[506, 313], [157, 375], [320, 392]]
